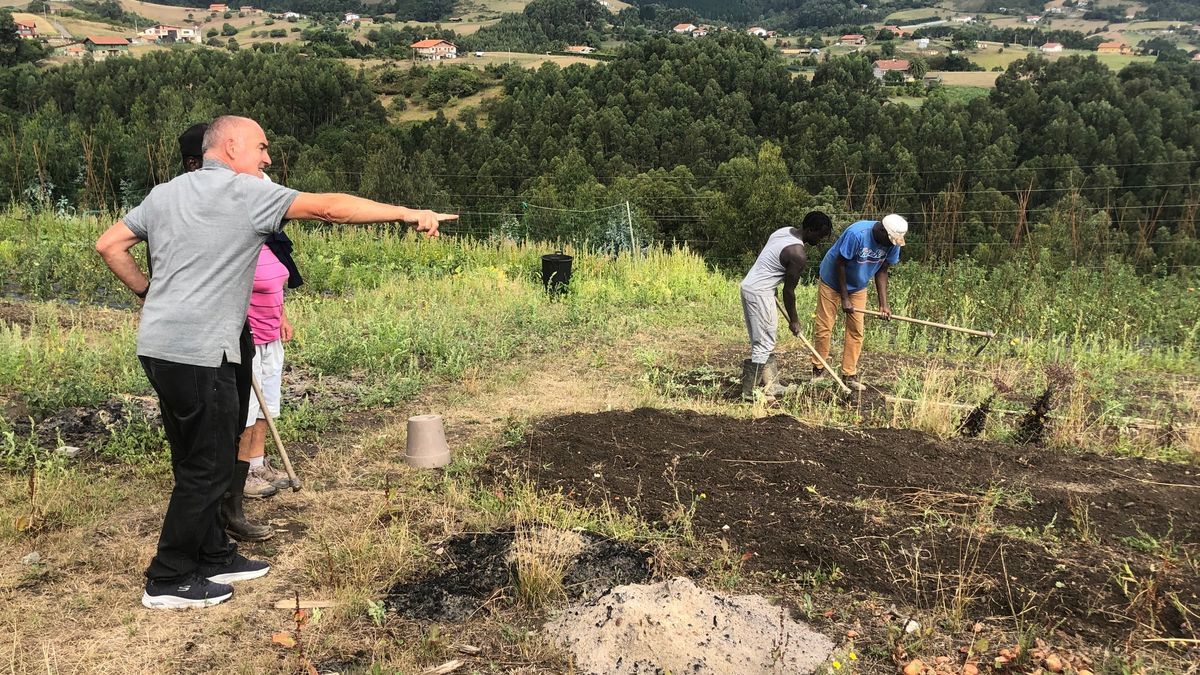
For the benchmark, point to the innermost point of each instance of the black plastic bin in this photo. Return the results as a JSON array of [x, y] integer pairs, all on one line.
[[556, 272]]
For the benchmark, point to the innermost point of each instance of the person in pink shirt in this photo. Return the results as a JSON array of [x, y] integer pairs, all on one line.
[[270, 328]]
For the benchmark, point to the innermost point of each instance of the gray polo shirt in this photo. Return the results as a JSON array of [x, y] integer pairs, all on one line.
[[204, 230]]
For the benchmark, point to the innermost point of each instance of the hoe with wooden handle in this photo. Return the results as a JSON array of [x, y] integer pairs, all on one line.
[[287, 463], [813, 349], [921, 322]]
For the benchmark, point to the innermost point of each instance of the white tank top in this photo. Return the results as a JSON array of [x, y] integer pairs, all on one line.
[[768, 272]]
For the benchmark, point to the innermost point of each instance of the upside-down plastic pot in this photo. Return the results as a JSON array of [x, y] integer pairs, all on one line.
[[426, 447]]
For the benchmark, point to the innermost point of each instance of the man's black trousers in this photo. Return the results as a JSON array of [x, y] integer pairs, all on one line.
[[203, 413]]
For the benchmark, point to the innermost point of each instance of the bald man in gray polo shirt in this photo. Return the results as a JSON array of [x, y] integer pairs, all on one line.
[[204, 230]]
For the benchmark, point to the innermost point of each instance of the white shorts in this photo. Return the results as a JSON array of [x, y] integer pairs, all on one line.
[[268, 368]]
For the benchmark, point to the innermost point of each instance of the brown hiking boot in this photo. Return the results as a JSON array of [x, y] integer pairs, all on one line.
[[274, 476], [257, 487]]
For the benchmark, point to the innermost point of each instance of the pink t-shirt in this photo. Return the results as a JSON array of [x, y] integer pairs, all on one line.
[[266, 300]]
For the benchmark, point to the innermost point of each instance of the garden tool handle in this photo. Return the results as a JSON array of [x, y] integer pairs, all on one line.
[[266, 412], [813, 349], [932, 324]]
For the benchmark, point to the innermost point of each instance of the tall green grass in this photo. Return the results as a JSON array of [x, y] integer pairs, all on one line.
[[395, 311]]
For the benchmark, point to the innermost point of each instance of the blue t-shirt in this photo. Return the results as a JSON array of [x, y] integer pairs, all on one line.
[[863, 257]]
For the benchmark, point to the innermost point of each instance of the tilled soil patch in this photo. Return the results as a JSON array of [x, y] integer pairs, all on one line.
[[1103, 543], [478, 567]]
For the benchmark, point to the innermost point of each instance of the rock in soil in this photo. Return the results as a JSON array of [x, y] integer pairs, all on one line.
[[675, 627]]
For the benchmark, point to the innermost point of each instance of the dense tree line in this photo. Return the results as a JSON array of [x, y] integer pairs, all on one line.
[[544, 25], [301, 6], [422, 10], [1071, 39], [1179, 10], [782, 14], [712, 142]]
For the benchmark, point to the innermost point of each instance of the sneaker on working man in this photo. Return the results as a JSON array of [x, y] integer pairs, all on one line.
[[269, 473], [258, 487], [240, 568], [192, 592]]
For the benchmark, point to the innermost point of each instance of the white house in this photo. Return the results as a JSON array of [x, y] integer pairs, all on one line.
[[171, 34], [1051, 48], [351, 17], [922, 43], [1033, 18], [435, 50], [757, 31], [292, 15], [581, 49], [684, 28]]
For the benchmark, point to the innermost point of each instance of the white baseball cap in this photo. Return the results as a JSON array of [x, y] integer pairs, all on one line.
[[896, 227]]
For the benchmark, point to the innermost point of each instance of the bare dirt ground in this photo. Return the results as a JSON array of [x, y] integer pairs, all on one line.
[[1102, 549]]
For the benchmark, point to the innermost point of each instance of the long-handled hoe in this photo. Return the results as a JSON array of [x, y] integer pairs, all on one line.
[[287, 463], [813, 350], [944, 326]]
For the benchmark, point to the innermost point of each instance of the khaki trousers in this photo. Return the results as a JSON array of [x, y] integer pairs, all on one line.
[[829, 306]]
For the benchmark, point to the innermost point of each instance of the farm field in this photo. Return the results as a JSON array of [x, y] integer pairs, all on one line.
[[496, 58], [972, 79], [914, 15], [612, 412], [993, 56]]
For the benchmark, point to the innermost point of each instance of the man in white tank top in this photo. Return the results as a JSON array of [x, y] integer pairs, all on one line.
[[781, 261]]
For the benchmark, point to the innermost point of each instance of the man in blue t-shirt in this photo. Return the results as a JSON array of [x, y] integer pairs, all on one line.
[[864, 250]]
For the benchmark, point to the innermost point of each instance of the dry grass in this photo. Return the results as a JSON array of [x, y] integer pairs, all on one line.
[[540, 557], [366, 521], [927, 414], [43, 25], [975, 79]]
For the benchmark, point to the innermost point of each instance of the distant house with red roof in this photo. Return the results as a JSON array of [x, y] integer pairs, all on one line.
[[895, 30], [435, 50], [684, 28], [219, 8], [26, 31], [854, 40], [885, 66], [1051, 48], [580, 49]]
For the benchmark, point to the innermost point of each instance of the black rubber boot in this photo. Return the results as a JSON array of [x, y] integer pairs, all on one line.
[[233, 518]]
